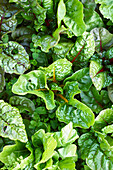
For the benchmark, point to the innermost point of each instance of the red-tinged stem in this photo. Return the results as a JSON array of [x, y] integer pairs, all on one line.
[[99, 104], [1, 22], [101, 70], [111, 60], [47, 22], [101, 46], [77, 54], [34, 15]]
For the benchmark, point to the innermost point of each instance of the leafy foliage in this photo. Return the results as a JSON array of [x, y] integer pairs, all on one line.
[[57, 57]]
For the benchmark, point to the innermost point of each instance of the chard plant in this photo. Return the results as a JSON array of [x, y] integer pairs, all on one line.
[[56, 85]]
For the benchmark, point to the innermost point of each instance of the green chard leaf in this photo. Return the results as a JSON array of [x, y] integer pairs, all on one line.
[[2, 79], [102, 37], [74, 110], [35, 82], [17, 156], [11, 123], [83, 49], [94, 100], [94, 152], [74, 17], [62, 68], [45, 41], [61, 12], [8, 20], [67, 135], [22, 103], [91, 18], [106, 8], [82, 77], [14, 58], [104, 119], [97, 79]]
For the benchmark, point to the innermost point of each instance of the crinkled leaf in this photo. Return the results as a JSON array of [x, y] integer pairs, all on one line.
[[11, 123], [91, 18], [17, 156], [53, 86], [103, 35], [47, 41], [22, 103], [94, 153], [82, 77], [71, 89], [110, 92], [61, 11], [97, 79], [104, 119], [83, 49], [35, 82], [76, 112], [14, 58], [48, 5], [74, 17], [61, 49], [62, 69], [67, 135], [68, 151], [2, 79], [106, 8], [7, 17], [94, 100], [94, 21]]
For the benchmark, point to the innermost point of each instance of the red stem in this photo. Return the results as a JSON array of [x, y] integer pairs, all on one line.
[[1, 22], [111, 60], [47, 22], [101, 70], [77, 54]]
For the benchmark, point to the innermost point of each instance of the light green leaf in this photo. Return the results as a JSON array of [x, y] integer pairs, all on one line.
[[62, 69], [45, 41], [104, 119], [22, 103], [14, 58], [97, 79], [82, 77], [11, 123], [68, 151], [2, 79], [49, 151], [35, 82], [67, 164], [74, 17], [67, 135], [48, 5], [17, 156], [76, 112], [106, 8], [61, 11]]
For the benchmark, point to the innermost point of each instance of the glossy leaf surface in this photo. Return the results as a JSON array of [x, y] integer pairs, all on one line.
[[2, 80], [14, 58], [22, 103], [11, 123], [34, 82], [74, 17]]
